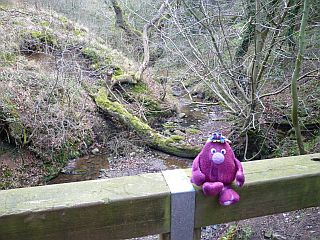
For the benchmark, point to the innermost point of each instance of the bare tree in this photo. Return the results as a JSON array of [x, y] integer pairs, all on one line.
[[295, 76], [137, 35], [239, 73]]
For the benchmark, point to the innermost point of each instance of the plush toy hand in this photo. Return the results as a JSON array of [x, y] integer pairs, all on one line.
[[198, 178], [240, 178]]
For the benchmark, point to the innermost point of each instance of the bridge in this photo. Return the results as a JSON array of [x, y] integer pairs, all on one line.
[[156, 203]]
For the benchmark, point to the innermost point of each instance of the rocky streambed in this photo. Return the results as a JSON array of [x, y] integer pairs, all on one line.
[[194, 123]]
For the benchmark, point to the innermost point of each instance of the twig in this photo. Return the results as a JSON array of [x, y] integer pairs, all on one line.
[[288, 85]]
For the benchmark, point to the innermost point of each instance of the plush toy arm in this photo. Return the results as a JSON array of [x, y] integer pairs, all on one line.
[[239, 174], [198, 177]]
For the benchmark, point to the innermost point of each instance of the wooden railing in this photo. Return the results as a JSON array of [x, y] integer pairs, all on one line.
[[141, 205]]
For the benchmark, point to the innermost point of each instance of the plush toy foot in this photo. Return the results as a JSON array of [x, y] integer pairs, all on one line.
[[212, 188], [228, 197]]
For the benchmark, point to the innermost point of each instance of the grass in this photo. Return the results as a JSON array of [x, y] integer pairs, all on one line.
[[236, 232]]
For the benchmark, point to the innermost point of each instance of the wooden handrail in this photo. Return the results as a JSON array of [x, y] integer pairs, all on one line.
[[140, 205]]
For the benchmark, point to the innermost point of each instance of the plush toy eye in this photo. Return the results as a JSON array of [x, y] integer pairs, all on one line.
[[213, 150], [223, 151]]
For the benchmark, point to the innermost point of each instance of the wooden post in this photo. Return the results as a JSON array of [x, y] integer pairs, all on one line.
[[196, 235], [164, 236]]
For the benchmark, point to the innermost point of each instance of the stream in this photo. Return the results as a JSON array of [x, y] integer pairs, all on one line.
[[199, 117]]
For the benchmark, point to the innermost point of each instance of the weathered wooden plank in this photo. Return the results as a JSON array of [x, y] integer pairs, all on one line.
[[140, 205], [100, 209], [272, 186]]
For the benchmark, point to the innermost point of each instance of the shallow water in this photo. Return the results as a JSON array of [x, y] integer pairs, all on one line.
[[81, 169], [97, 166]]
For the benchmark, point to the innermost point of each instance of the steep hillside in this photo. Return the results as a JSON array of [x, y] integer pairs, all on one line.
[[50, 69]]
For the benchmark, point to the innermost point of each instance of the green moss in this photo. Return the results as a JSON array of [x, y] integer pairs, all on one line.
[[231, 233], [117, 71], [6, 184], [18, 131], [45, 23], [52, 171], [176, 138], [108, 60], [137, 76], [5, 6], [140, 93], [287, 146], [152, 105], [115, 107], [140, 87], [91, 54], [120, 77], [44, 37], [7, 172], [237, 233], [16, 128], [7, 178], [169, 125], [18, 23], [67, 152], [192, 130], [7, 58], [63, 19], [151, 137], [98, 58], [78, 32]]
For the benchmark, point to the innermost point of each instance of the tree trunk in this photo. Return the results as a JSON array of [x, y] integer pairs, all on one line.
[[150, 136], [293, 12], [295, 76], [247, 37], [132, 33], [145, 37]]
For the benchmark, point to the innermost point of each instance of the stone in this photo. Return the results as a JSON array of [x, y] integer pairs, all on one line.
[[178, 132], [182, 115], [268, 234], [95, 151], [278, 237], [132, 154], [167, 132]]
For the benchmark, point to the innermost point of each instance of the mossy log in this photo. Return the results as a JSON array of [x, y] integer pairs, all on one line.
[[151, 137], [124, 78]]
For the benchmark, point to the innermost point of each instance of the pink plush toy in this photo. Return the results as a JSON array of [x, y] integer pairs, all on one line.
[[215, 168]]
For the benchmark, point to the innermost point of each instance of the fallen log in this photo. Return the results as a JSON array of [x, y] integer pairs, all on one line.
[[152, 138]]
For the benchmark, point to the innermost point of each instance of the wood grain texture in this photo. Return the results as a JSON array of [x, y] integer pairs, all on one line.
[[272, 186], [140, 205], [99, 209]]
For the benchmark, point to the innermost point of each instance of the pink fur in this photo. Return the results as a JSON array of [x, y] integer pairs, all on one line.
[[215, 168]]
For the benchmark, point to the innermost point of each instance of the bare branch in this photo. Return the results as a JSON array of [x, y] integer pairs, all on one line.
[[288, 85]]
